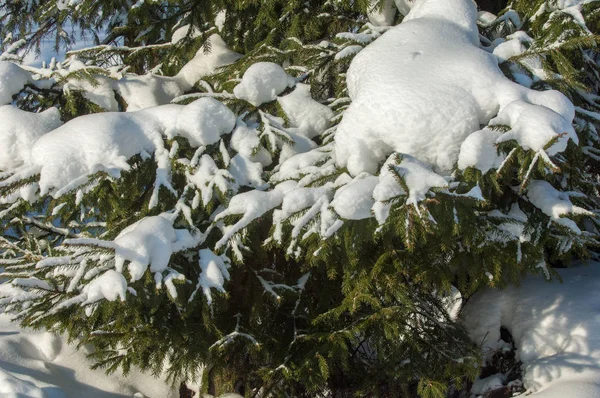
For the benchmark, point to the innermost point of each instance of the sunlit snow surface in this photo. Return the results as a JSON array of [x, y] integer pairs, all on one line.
[[40, 365], [424, 86], [556, 328]]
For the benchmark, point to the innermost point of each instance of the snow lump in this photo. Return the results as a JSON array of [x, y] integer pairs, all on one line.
[[262, 83], [424, 86]]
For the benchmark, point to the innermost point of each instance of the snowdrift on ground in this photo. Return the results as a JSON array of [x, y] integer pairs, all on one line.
[[556, 328], [41, 365]]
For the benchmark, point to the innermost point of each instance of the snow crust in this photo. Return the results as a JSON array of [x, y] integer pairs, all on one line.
[[555, 327], [432, 61], [262, 83]]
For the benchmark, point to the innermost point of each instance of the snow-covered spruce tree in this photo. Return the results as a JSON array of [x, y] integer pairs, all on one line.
[[285, 245]]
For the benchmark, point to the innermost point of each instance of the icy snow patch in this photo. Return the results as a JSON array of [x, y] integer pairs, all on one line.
[[262, 83], [424, 86], [20, 130], [555, 327]]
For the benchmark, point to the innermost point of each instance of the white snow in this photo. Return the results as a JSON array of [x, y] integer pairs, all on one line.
[[404, 6], [206, 63], [533, 127], [479, 151], [555, 327], [481, 386], [41, 365], [214, 273], [262, 83], [203, 122], [424, 86], [65, 156], [20, 130], [354, 201], [307, 117], [384, 16], [150, 90], [111, 285], [184, 31], [146, 91], [149, 242], [13, 79], [251, 205], [246, 142], [554, 203]]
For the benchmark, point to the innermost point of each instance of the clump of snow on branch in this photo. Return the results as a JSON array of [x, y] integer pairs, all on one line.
[[263, 82], [432, 61], [67, 156], [20, 130]]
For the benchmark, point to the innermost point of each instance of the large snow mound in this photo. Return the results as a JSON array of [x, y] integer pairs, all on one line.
[[556, 328], [424, 86]]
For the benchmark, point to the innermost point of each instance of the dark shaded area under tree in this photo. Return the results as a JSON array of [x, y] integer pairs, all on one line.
[[493, 6]]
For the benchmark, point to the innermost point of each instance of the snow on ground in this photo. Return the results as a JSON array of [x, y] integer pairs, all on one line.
[[556, 328], [40, 365]]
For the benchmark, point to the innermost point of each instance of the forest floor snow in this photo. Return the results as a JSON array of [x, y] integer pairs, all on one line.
[[555, 328], [36, 364]]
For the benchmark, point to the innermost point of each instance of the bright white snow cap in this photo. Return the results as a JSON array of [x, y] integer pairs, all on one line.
[[262, 83], [424, 86]]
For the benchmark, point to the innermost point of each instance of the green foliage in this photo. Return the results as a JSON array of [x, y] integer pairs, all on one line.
[[363, 310]]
